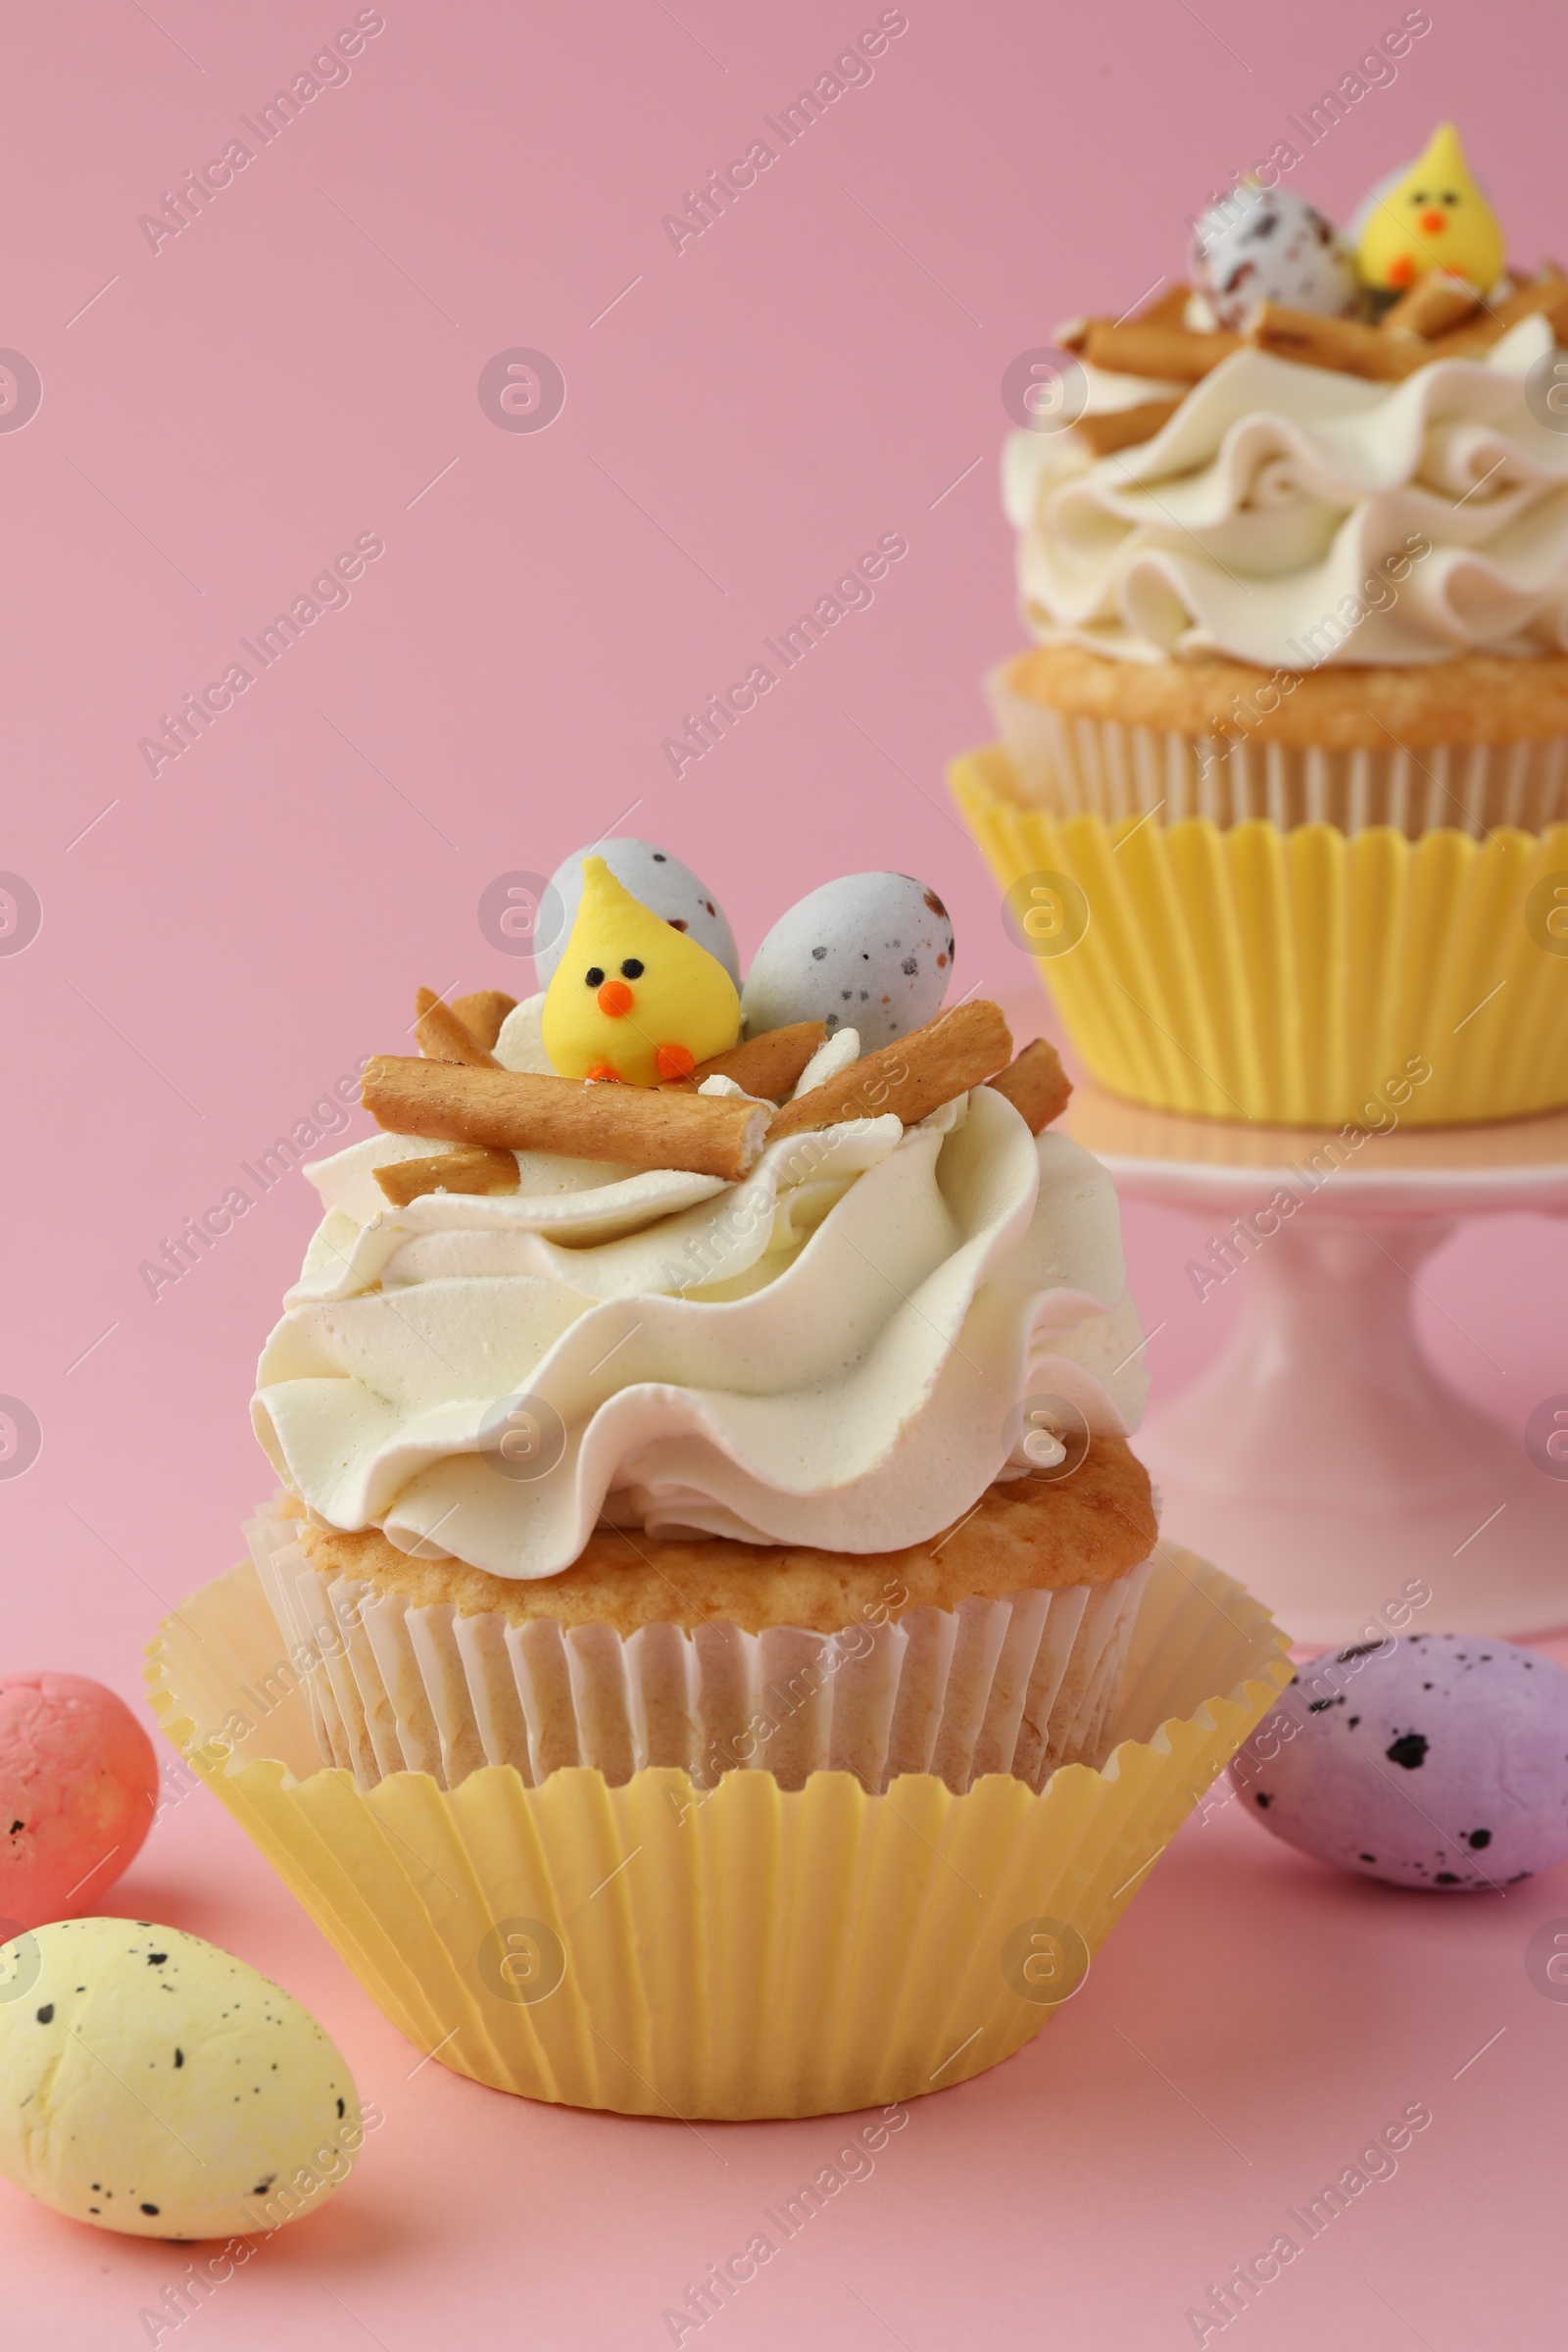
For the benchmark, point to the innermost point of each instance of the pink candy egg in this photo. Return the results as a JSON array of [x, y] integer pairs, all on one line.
[[1433, 1760], [78, 1789]]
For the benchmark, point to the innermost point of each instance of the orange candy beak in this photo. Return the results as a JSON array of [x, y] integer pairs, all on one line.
[[1431, 222], [615, 999]]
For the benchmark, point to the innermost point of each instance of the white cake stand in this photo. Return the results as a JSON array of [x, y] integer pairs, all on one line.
[[1321, 1459]]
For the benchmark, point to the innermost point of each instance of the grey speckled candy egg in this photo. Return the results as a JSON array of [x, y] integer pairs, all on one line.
[[1428, 1759], [653, 877], [153, 2084], [1270, 245], [868, 952]]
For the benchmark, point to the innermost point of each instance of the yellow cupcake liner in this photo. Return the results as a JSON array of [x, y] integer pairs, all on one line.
[[1244, 972], [743, 1953]]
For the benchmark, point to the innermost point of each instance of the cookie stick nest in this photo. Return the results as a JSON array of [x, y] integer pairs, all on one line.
[[491, 1113]]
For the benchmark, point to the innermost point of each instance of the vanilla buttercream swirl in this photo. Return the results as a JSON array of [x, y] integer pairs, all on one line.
[[827, 1354], [1274, 518]]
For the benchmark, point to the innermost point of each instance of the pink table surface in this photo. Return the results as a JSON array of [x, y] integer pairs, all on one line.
[[219, 417]]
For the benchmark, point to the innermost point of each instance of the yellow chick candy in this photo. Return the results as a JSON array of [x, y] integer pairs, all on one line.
[[632, 998], [1434, 218]]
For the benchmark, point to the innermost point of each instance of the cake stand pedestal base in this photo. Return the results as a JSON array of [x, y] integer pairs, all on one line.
[[1322, 1458]]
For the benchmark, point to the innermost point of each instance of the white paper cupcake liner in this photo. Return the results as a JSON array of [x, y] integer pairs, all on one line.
[[1018, 1686], [1077, 766]]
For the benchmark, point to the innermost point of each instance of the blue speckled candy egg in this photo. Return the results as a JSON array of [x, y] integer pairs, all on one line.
[[658, 881], [869, 951], [1428, 1760]]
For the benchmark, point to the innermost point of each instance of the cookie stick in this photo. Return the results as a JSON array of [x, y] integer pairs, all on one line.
[[483, 1013], [1431, 306], [1166, 310], [511, 1110], [1036, 1085], [466, 1168], [912, 1077], [1144, 348], [1343, 344], [1110, 430], [1547, 294], [444, 1036], [766, 1065]]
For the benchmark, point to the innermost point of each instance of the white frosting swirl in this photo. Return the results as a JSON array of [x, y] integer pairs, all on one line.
[[1277, 492], [826, 1354]]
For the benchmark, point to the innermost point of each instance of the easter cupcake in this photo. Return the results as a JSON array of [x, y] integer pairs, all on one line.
[[1284, 778], [658, 1395], [711, 1652]]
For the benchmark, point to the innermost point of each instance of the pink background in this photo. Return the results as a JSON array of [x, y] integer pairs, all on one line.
[[299, 367]]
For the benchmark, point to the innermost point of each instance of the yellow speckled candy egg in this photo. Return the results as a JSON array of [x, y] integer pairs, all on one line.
[[151, 2083]]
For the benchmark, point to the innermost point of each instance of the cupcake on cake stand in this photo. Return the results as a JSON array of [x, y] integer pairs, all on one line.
[[1280, 811]]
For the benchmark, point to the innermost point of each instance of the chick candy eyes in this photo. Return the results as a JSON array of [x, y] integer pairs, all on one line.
[[594, 976], [631, 969]]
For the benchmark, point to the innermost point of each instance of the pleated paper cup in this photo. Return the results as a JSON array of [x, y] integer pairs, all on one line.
[[1077, 764], [660, 1949], [1302, 978], [1019, 1685]]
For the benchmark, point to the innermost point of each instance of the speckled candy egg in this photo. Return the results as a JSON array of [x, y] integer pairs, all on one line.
[[78, 1789], [1270, 245], [656, 878], [151, 2083], [1430, 1760], [869, 951]]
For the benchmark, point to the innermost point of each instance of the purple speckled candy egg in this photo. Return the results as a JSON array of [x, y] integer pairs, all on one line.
[[1428, 1759]]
